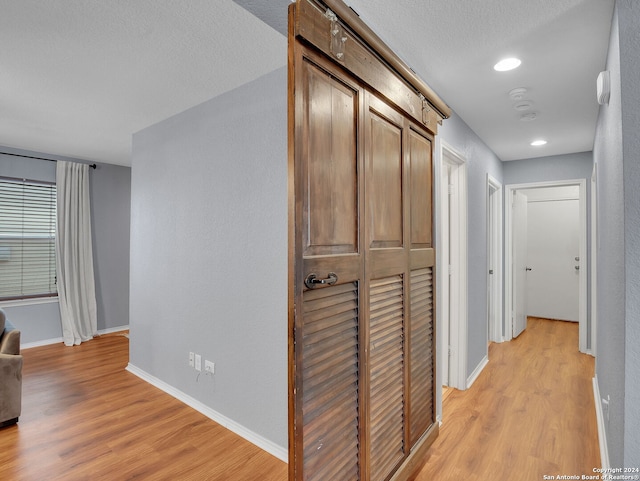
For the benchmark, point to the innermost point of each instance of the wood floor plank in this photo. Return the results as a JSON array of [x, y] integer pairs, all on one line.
[[530, 413], [84, 417]]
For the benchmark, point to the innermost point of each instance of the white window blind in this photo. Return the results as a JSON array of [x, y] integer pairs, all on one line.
[[27, 239]]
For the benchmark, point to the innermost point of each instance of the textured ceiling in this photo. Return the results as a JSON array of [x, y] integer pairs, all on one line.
[[453, 45], [78, 78]]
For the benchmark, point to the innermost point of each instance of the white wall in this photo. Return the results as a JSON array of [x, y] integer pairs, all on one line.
[[209, 253]]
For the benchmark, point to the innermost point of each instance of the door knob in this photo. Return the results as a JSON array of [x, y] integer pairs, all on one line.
[[312, 281], [528, 269]]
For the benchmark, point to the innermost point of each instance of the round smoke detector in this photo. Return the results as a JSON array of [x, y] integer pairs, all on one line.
[[518, 93], [523, 105]]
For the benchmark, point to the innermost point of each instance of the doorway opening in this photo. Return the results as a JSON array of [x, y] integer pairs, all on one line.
[[452, 289], [518, 270]]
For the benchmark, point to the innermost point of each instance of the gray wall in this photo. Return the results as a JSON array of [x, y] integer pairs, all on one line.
[[616, 152], [629, 24], [209, 253], [110, 207], [607, 153], [480, 161], [547, 169], [111, 212]]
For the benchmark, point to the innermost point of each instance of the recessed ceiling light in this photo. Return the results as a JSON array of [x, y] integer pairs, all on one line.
[[507, 64], [538, 143]]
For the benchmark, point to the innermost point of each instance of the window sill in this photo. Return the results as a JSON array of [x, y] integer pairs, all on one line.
[[29, 302]]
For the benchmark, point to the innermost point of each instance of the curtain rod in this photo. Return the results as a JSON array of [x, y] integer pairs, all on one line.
[[93, 166]]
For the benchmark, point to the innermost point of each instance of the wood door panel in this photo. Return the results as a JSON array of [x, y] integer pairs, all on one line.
[[316, 27], [331, 201], [421, 189], [385, 173], [330, 383], [421, 353], [422, 258], [387, 262], [386, 361], [347, 267]]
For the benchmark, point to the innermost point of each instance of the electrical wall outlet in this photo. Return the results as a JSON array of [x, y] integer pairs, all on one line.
[[198, 362], [192, 361], [209, 367]]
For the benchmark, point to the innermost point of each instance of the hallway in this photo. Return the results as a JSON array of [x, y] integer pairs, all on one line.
[[529, 414]]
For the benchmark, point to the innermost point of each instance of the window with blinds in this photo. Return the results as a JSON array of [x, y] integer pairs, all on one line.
[[27, 239]]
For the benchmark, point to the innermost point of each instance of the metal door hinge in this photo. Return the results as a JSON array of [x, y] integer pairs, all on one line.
[[338, 35], [425, 110]]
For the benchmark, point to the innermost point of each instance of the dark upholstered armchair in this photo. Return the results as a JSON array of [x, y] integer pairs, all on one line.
[[10, 372]]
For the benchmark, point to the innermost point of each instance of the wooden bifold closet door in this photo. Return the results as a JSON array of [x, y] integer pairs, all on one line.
[[361, 311]]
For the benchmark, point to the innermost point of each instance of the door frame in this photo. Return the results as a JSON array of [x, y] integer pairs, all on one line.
[[494, 250], [582, 277], [594, 264], [458, 291]]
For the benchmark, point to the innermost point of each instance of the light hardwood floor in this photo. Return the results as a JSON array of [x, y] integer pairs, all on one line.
[[84, 417], [530, 413]]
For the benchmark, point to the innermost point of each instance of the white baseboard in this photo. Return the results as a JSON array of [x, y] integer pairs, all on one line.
[[263, 443], [44, 342], [602, 434], [102, 332], [476, 372], [58, 340]]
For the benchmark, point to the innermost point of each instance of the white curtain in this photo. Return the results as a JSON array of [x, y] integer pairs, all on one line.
[[74, 254]]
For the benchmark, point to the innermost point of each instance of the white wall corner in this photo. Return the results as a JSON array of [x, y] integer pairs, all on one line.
[[602, 433], [476, 372], [254, 438]]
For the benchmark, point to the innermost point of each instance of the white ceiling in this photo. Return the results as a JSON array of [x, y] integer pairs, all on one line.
[[78, 78]]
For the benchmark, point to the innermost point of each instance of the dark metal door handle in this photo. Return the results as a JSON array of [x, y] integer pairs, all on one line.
[[312, 281], [528, 269]]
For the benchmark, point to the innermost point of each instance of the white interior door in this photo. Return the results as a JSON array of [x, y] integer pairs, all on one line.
[[446, 285], [494, 275], [511, 284], [554, 255], [452, 250], [519, 308]]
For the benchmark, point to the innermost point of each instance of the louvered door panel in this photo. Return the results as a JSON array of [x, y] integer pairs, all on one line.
[[330, 383], [386, 361], [422, 415]]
